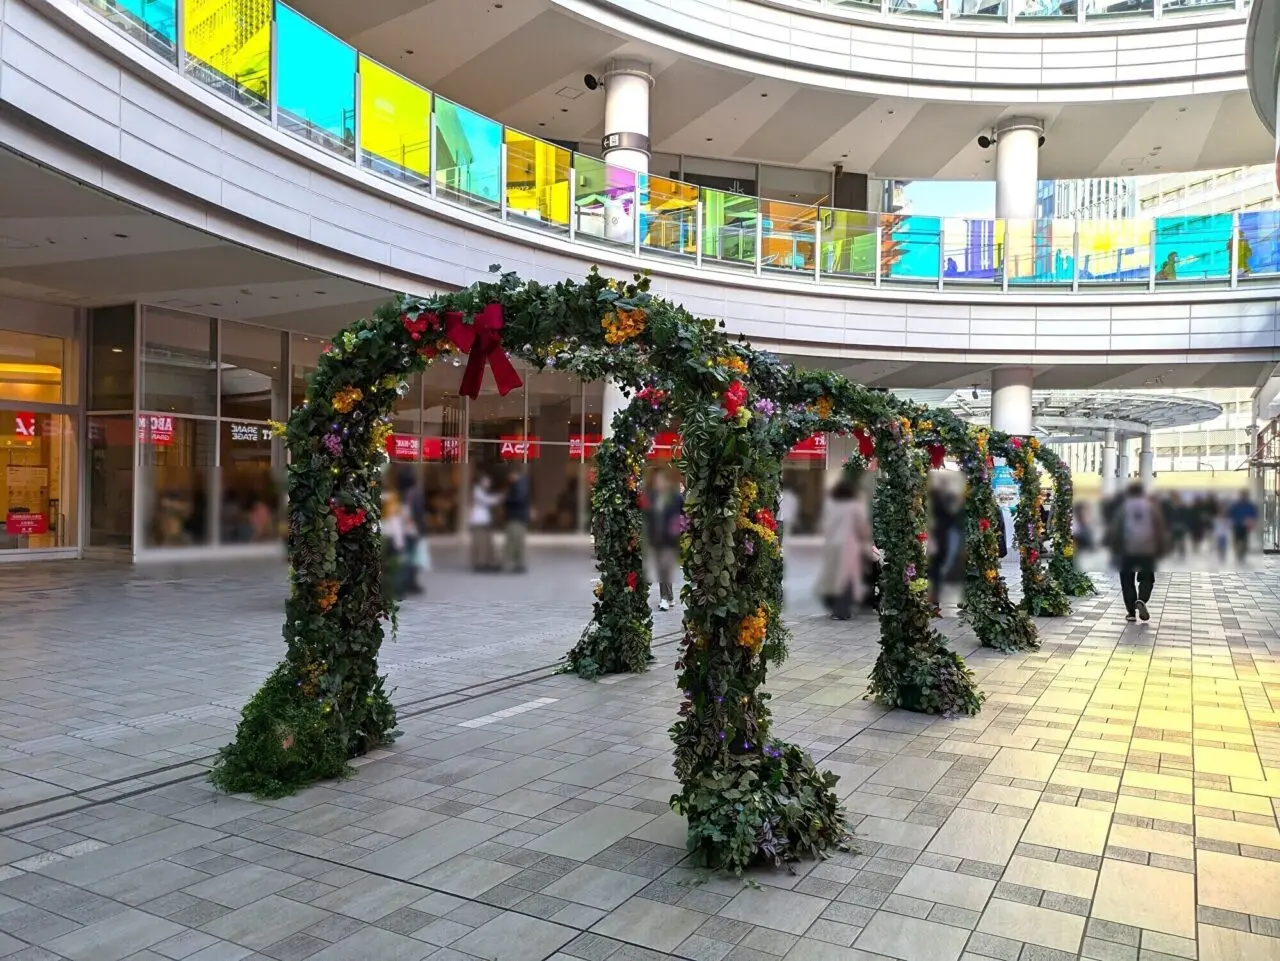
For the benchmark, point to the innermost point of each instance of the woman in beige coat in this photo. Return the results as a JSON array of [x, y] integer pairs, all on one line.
[[847, 550]]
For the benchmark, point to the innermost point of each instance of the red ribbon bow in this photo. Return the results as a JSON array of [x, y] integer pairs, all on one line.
[[482, 340]]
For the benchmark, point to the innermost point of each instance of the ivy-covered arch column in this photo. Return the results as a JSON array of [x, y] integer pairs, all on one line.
[[1062, 561], [1042, 596]]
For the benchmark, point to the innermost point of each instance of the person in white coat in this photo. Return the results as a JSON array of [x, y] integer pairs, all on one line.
[[480, 521]]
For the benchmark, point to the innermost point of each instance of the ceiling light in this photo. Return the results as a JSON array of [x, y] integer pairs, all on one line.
[[42, 370], [117, 350], [764, 95], [409, 52], [709, 139], [123, 236]]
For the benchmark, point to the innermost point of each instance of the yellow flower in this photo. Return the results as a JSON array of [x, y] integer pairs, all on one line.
[[991, 574], [925, 425], [1069, 551], [823, 406], [347, 398], [380, 434], [622, 325], [733, 363], [751, 630], [748, 491], [1034, 443], [277, 429]]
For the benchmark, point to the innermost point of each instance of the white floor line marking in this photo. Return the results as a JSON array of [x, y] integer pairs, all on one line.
[[508, 712]]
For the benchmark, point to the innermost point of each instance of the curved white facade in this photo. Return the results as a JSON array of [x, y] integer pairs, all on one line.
[[953, 61], [81, 99]]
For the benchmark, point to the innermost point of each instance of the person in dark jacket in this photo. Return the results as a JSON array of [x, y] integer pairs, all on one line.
[[1138, 539], [516, 505], [665, 508]]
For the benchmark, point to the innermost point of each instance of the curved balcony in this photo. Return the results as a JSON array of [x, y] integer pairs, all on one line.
[[1031, 14], [401, 190], [308, 83]]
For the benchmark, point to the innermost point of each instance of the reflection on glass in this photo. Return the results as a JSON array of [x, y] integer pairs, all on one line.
[[848, 242], [252, 380], [250, 484], [316, 83], [857, 4], [972, 250], [177, 458], [304, 358], [31, 368], [109, 467], [922, 7], [1193, 247], [537, 179], [111, 354], [729, 227], [492, 417], [604, 201], [178, 372], [395, 123], [555, 409], [1114, 251], [469, 166], [670, 217], [788, 235], [1117, 8], [555, 479], [38, 488], [228, 46], [979, 8], [1044, 9], [1259, 245], [910, 246], [150, 22], [1037, 251]]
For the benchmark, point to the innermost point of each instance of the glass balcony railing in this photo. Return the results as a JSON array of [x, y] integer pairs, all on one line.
[[1033, 11], [286, 70]]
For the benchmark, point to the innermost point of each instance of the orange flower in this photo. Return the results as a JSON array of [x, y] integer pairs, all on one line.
[[347, 398], [733, 363], [751, 630], [622, 325], [326, 594]]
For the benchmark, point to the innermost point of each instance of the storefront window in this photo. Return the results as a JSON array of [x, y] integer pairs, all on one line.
[[111, 356], [250, 372], [555, 407], [110, 479], [178, 373], [250, 484], [496, 418], [304, 358], [37, 488], [31, 368], [177, 472], [555, 479]]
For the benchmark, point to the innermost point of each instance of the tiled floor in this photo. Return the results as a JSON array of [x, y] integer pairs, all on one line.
[[1116, 800]]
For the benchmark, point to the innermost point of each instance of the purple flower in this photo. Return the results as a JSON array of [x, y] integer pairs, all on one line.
[[765, 407], [682, 523], [910, 572], [333, 444], [746, 745], [773, 751], [722, 735], [749, 547]]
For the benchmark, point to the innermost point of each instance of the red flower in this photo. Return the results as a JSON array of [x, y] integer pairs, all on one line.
[[765, 518], [1033, 556], [984, 524], [922, 536], [631, 580], [416, 326], [1016, 442], [735, 396], [937, 455], [348, 520], [866, 446]]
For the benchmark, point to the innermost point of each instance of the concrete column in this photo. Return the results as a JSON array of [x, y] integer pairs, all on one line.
[[1108, 463], [1017, 167], [614, 401], [1123, 466], [1147, 463], [1011, 400], [626, 114]]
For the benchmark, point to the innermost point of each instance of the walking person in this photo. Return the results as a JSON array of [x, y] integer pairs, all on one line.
[[517, 509], [664, 507], [395, 543], [1243, 517], [1138, 539], [788, 512], [847, 550], [417, 556], [480, 522]]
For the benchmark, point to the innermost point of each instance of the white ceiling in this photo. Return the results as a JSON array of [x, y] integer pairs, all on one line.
[[63, 242], [522, 62]]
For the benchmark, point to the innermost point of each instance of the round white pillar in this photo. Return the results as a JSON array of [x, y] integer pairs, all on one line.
[[1011, 400], [1147, 463], [1108, 463], [1123, 467], [614, 401], [1017, 167], [626, 114]]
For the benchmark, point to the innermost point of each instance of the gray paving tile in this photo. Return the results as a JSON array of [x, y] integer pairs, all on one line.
[[514, 937]]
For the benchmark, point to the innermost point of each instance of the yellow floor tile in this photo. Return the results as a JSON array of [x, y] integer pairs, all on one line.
[[1217, 760]]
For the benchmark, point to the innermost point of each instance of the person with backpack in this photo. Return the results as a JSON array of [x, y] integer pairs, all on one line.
[[1138, 539]]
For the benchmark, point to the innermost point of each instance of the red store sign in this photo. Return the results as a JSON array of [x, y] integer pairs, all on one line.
[[517, 447], [441, 449], [404, 447], [25, 524], [813, 448], [24, 424], [156, 430]]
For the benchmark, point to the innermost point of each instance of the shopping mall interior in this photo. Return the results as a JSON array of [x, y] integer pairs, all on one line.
[[1058, 219]]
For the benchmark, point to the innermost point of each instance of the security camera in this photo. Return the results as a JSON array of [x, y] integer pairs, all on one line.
[[590, 82], [1041, 142], [975, 391], [984, 141]]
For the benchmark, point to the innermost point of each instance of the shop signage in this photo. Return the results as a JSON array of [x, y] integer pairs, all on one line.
[[402, 447], [666, 445], [812, 448], [517, 447], [25, 524], [24, 424], [583, 445], [156, 429], [441, 449], [250, 433]]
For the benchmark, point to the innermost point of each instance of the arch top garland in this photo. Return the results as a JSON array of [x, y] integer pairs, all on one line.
[[747, 795]]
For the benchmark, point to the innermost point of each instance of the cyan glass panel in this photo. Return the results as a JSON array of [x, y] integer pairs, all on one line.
[[1258, 252], [1193, 248], [1114, 251], [470, 163], [972, 249], [228, 45], [729, 227], [788, 236], [1119, 8], [849, 242], [669, 216], [153, 23], [395, 124], [537, 179], [605, 201], [1044, 9], [910, 247], [980, 8], [315, 83], [919, 7]]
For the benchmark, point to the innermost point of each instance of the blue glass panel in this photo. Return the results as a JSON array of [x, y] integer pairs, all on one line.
[[1259, 250], [469, 154], [1193, 248], [971, 249], [911, 246], [152, 23], [316, 82]]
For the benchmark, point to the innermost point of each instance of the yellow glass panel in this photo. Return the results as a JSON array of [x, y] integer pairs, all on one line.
[[670, 215], [232, 39], [537, 178], [395, 118]]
